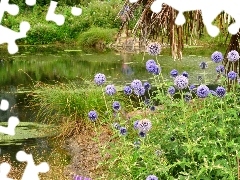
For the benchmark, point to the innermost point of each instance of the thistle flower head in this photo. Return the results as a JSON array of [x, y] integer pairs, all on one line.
[[116, 126], [233, 56], [123, 131], [192, 87], [127, 90], [174, 73], [147, 86], [144, 125], [99, 79], [185, 74], [202, 91], [154, 49], [171, 90], [116, 106], [220, 69], [92, 115], [139, 91], [110, 89], [220, 91], [232, 75], [217, 57], [181, 82], [136, 84], [152, 177]]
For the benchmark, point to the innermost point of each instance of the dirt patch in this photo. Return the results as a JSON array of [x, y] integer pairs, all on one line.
[[85, 152]]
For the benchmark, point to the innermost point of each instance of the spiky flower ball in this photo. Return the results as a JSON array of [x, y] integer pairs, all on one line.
[[192, 88], [92, 115], [123, 131], [110, 89], [202, 91], [136, 84], [151, 65], [174, 73], [217, 57], [203, 65], [154, 49], [181, 82], [127, 90], [144, 125], [220, 69], [152, 177], [232, 75], [99, 79], [116, 106], [220, 91], [171, 90], [139, 91], [185, 74], [147, 86], [233, 56]]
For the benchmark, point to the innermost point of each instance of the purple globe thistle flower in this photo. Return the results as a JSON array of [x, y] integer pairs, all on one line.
[[100, 79], [116, 126], [202, 91], [136, 84], [135, 124], [174, 73], [152, 108], [220, 91], [217, 57], [203, 65], [110, 89], [127, 90], [232, 75], [154, 49], [213, 93], [150, 65], [220, 69], [116, 106], [171, 90], [144, 125], [140, 91], [152, 177], [92, 115], [192, 88], [123, 131], [147, 86], [233, 56], [181, 82], [142, 134], [185, 74], [157, 70]]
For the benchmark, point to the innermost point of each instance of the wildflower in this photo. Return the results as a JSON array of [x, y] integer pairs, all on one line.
[[144, 125], [181, 82], [136, 84], [157, 70], [185, 74], [213, 93], [233, 56], [171, 90], [140, 91], [150, 65], [142, 134], [152, 177], [92, 115], [116, 126], [154, 49], [217, 57], [135, 124], [174, 73], [110, 90], [203, 65], [152, 108], [232, 75], [202, 91], [220, 91], [77, 177], [127, 90], [220, 69], [99, 79], [147, 86], [123, 131], [116, 106], [192, 87]]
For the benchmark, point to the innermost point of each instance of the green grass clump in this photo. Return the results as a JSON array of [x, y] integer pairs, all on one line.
[[96, 36]]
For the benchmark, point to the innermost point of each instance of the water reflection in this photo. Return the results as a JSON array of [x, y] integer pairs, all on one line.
[[126, 69]]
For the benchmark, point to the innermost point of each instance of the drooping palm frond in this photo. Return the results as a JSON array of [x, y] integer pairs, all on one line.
[[161, 26]]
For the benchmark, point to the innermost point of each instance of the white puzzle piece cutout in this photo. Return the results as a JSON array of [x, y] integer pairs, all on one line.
[[10, 129], [51, 16], [4, 105], [4, 170], [31, 171]]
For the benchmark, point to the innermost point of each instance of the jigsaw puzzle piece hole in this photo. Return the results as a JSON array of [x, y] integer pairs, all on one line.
[[233, 28], [156, 7], [180, 19]]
